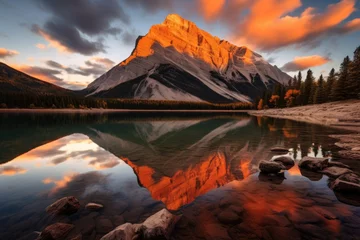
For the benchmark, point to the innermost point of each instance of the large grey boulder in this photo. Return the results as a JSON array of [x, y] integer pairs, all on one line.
[[271, 167], [57, 231], [157, 226], [314, 164], [66, 205]]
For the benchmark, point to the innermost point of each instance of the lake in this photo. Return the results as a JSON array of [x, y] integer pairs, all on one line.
[[203, 166]]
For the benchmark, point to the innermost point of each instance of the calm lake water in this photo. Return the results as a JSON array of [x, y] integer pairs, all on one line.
[[202, 166]]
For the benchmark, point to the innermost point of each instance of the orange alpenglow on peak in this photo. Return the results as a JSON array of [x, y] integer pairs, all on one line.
[[186, 37]]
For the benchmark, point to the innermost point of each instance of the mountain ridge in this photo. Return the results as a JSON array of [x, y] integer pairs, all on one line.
[[225, 72]]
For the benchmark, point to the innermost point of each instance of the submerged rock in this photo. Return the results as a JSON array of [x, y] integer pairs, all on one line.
[[279, 149], [66, 205], [157, 226], [336, 171], [286, 160], [314, 164], [94, 206], [56, 231], [271, 167]]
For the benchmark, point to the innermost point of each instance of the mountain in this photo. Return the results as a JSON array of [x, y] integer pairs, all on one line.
[[176, 60], [14, 81]]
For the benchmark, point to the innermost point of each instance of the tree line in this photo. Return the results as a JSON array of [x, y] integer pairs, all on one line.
[[341, 85], [26, 100]]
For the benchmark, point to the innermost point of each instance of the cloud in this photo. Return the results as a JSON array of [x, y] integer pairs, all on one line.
[[40, 46], [89, 17], [211, 8], [351, 26], [303, 63], [268, 26], [12, 170], [152, 6], [45, 74], [105, 61], [66, 38], [73, 25], [4, 53]]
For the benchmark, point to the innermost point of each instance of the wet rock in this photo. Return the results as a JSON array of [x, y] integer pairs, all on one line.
[[271, 167], [123, 232], [326, 213], [338, 164], [348, 198], [283, 233], [85, 225], [350, 177], [56, 231], [335, 171], [228, 217], [66, 206], [104, 225], [285, 160], [314, 164], [275, 220], [345, 186], [215, 231], [159, 225], [94, 206], [279, 149], [313, 176], [276, 178]]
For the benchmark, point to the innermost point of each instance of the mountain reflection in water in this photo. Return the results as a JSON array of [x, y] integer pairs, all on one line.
[[198, 166]]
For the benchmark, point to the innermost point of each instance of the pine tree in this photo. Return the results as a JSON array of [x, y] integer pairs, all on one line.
[[330, 85], [320, 94], [353, 86], [290, 83], [299, 78], [308, 87], [339, 92], [295, 82], [312, 93]]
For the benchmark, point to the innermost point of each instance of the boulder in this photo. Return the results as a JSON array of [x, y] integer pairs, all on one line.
[[350, 177], [345, 186], [94, 206], [123, 232], [275, 178], [56, 231], [271, 167], [279, 149], [337, 164], [285, 160], [335, 171], [66, 206], [313, 164], [157, 226]]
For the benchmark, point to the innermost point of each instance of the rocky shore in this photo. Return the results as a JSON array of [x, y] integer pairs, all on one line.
[[343, 115]]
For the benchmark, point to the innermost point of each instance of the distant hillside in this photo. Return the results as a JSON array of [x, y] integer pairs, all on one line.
[[14, 81]]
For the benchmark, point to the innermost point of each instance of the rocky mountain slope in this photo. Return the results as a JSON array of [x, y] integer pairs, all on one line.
[[12, 80], [178, 61]]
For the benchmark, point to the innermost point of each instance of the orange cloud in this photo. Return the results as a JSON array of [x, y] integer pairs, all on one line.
[[40, 46], [268, 25], [351, 26], [303, 63], [211, 8], [7, 53], [59, 184], [45, 74], [53, 42], [11, 170]]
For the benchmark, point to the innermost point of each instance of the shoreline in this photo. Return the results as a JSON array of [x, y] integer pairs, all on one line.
[[342, 115], [98, 110]]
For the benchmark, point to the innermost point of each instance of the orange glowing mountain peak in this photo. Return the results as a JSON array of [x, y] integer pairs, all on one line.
[[185, 37]]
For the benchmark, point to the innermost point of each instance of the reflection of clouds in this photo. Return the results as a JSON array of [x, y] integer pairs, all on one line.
[[12, 170], [75, 147], [59, 184]]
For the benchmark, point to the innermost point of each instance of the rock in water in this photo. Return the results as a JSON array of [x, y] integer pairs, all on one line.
[[286, 160], [344, 186], [94, 206], [57, 231], [271, 167], [159, 225], [314, 164], [336, 171], [66, 205], [279, 149]]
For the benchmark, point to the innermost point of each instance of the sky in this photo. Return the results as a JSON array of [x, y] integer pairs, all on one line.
[[71, 43]]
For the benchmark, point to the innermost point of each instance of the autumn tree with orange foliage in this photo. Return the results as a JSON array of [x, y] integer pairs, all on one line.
[[275, 100], [290, 97], [260, 106]]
